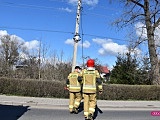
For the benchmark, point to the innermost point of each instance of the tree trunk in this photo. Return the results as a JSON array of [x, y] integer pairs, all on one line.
[[151, 45]]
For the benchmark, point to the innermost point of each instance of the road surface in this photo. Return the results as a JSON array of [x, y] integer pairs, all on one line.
[[12, 112]]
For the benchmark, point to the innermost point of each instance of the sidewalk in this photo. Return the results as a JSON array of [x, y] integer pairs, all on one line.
[[59, 103]]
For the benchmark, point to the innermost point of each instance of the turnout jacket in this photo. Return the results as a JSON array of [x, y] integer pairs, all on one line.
[[90, 80], [74, 82]]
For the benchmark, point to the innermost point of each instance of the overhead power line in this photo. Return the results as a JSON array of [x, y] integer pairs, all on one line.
[[65, 32], [95, 14], [32, 29], [105, 37], [10, 4]]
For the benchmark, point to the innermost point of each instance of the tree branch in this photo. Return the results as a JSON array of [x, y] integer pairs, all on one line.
[[157, 23], [137, 3]]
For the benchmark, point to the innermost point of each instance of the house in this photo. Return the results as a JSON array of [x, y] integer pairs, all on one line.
[[104, 73]]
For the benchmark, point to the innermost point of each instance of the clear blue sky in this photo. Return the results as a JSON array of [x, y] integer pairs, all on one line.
[[53, 22]]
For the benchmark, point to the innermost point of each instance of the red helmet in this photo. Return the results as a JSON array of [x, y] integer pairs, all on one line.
[[90, 63]]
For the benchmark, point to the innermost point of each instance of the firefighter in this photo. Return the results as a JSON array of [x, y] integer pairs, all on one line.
[[74, 86], [91, 78]]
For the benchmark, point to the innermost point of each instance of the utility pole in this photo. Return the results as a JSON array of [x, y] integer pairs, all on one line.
[[76, 35]]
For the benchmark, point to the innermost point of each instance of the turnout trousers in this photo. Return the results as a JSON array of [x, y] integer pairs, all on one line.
[[74, 100], [90, 102]]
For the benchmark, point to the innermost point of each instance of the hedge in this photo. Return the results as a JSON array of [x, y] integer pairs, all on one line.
[[46, 88], [130, 92]]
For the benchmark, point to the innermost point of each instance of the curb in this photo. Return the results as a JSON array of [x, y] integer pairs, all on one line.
[[57, 103]]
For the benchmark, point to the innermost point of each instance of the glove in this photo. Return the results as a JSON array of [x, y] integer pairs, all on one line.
[[66, 88]]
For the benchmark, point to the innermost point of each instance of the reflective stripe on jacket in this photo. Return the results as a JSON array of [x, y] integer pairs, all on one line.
[[74, 85]]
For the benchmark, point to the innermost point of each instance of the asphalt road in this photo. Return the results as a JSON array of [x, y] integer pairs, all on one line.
[[35, 108], [10, 112]]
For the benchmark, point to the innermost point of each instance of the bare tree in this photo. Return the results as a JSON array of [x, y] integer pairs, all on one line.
[[9, 51], [148, 13]]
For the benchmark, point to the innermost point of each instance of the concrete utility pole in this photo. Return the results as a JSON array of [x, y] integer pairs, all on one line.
[[76, 36]]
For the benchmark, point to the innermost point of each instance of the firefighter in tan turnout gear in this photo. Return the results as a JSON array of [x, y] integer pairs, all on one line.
[[91, 79], [74, 86]]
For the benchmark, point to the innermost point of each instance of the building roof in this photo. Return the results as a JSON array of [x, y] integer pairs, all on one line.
[[103, 69]]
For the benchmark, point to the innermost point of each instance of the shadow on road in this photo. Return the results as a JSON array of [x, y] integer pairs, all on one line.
[[97, 110], [80, 109], [10, 112]]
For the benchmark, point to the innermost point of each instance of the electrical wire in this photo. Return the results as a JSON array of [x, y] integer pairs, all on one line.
[[53, 8], [11, 4], [65, 32], [32, 29], [106, 37]]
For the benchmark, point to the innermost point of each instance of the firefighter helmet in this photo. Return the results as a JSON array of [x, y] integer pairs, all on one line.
[[90, 63]]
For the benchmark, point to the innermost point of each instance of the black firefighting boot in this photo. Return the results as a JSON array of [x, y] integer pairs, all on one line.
[[86, 118], [71, 112], [90, 117], [75, 110]]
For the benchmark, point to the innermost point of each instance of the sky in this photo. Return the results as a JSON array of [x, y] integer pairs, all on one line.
[[52, 22]]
